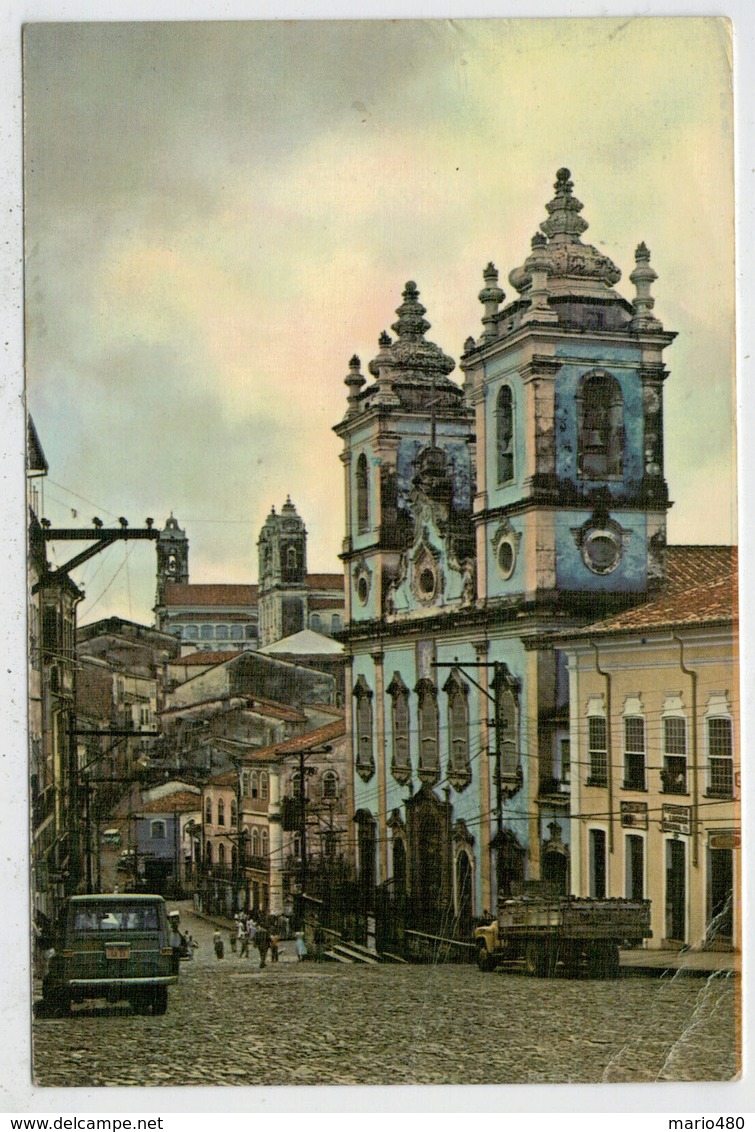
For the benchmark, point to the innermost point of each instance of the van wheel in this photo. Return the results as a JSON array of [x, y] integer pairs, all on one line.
[[603, 961], [160, 1000], [537, 958], [485, 961]]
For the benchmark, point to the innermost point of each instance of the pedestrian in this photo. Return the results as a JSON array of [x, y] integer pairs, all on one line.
[[232, 939], [244, 943], [251, 929], [262, 943], [240, 927], [217, 942], [274, 947], [300, 945]]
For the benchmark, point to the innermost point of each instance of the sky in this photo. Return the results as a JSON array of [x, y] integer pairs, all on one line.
[[218, 215]]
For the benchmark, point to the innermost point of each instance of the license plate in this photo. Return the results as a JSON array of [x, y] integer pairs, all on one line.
[[113, 951]]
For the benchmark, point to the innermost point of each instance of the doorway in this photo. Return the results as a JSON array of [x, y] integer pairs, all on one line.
[[676, 891]]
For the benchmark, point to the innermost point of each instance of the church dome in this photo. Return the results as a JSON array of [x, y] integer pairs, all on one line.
[[572, 268]]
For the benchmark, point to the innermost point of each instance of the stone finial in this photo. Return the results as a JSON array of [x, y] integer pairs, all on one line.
[[384, 340], [491, 296], [643, 278], [537, 266], [353, 382], [411, 324], [564, 224], [469, 345]]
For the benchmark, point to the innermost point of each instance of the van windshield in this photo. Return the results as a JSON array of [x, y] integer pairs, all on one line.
[[121, 917]]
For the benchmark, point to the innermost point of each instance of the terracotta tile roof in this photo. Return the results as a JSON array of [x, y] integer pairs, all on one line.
[[325, 734], [688, 566], [179, 802], [325, 582], [335, 602], [700, 589], [209, 594]]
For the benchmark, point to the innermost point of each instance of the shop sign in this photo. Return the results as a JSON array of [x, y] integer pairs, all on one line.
[[634, 815], [676, 819], [724, 839]]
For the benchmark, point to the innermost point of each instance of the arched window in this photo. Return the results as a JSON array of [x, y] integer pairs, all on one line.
[[429, 764], [264, 843], [191, 632], [236, 632], [335, 623], [245, 783], [296, 785], [234, 813], [207, 632], [365, 762], [363, 494], [315, 622], [208, 811], [157, 831], [255, 784], [221, 632], [459, 771], [208, 852], [263, 785], [291, 558], [330, 784], [221, 854], [250, 632], [504, 426], [601, 427], [401, 766], [506, 690], [221, 812], [255, 843]]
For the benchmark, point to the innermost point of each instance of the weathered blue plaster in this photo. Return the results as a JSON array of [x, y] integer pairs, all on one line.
[[460, 467], [566, 427], [498, 586], [573, 574]]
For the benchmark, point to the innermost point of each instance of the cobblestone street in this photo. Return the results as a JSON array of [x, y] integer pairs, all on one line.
[[229, 1023]]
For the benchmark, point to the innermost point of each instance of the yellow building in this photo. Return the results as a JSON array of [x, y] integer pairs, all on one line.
[[654, 745]]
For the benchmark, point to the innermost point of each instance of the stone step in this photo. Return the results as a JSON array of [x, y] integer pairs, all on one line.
[[336, 957], [354, 955]]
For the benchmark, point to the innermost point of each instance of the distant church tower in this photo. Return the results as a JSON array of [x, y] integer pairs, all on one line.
[[282, 548], [172, 557]]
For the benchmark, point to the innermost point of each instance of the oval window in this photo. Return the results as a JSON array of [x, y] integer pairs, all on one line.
[[602, 552], [506, 558], [427, 582], [363, 589]]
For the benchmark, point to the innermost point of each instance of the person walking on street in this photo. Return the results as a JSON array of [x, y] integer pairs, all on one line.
[[243, 942], [217, 941], [274, 946], [262, 943], [232, 938], [301, 947]]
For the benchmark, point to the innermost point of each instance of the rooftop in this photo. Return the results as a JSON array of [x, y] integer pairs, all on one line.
[[305, 643]]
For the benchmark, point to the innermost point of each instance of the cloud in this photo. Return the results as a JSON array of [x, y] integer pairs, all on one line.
[[219, 215]]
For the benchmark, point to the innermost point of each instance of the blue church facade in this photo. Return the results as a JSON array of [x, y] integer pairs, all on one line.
[[480, 518]]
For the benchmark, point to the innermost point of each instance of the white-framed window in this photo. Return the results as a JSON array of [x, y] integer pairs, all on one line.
[[720, 756], [597, 750], [234, 813], [365, 761], [245, 783], [315, 622], [157, 830], [221, 811], [254, 784], [634, 752], [263, 785], [208, 811], [674, 773]]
